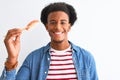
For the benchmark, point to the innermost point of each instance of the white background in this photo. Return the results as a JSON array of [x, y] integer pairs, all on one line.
[[97, 30]]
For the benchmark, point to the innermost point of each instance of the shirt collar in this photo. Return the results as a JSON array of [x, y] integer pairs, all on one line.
[[73, 47]]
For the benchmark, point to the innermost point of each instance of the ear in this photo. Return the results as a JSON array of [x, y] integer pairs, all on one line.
[[46, 26], [69, 27]]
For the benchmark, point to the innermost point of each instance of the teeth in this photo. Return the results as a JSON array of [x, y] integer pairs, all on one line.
[[58, 32]]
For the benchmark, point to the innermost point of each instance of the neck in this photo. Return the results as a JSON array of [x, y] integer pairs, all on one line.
[[60, 45]]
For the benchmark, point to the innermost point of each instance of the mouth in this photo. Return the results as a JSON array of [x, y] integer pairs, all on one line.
[[58, 33]]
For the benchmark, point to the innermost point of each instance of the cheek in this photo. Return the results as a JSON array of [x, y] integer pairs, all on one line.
[[67, 29], [47, 29]]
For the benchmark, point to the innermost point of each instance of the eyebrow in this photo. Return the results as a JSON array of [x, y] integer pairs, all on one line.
[[60, 20]]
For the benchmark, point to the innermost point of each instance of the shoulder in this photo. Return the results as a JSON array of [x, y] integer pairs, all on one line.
[[79, 49], [38, 53], [85, 57], [81, 52]]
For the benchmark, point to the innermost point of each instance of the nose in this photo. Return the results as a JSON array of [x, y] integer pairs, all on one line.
[[57, 26]]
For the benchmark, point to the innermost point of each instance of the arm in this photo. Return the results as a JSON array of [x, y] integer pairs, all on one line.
[[12, 43], [8, 75], [93, 71], [22, 74]]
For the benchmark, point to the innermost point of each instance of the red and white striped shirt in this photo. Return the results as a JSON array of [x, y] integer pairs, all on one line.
[[61, 66]]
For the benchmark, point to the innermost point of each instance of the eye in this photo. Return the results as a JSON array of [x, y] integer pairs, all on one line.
[[63, 22], [52, 22]]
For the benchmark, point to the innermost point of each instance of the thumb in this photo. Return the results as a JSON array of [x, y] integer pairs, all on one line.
[[17, 38]]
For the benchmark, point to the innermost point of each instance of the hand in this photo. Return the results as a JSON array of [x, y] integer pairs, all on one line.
[[12, 43]]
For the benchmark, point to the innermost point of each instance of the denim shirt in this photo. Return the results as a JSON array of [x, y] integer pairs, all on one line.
[[36, 65]]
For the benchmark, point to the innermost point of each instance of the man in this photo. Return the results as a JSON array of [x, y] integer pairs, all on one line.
[[58, 60]]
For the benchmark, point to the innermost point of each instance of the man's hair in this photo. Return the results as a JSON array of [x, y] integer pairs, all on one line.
[[59, 6]]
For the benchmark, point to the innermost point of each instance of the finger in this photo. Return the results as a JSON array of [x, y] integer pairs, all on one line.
[[12, 33], [14, 30], [17, 38]]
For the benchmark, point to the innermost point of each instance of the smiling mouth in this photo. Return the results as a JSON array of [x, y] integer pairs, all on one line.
[[58, 33]]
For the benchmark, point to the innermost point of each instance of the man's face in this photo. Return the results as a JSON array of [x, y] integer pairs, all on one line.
[[58, 26]]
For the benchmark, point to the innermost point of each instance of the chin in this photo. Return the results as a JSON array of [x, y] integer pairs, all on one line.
[[57, 41]]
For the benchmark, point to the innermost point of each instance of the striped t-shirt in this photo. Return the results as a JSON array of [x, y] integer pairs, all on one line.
[[61, 65]]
